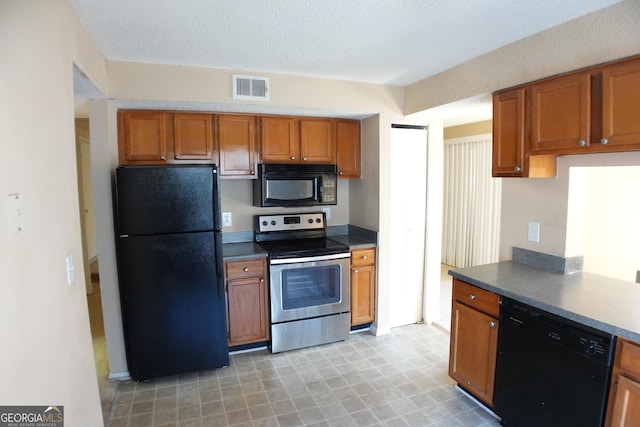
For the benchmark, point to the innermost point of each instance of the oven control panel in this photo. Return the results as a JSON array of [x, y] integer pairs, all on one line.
[[294, 222]]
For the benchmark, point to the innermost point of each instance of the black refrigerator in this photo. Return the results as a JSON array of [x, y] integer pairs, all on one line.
[[169, 252]]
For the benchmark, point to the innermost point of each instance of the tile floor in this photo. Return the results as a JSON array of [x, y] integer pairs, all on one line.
[[398, 379]]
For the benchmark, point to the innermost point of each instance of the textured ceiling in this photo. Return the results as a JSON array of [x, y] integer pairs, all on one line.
[[394, 42]]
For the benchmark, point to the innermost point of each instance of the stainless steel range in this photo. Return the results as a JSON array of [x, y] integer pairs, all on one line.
[[309, 277]]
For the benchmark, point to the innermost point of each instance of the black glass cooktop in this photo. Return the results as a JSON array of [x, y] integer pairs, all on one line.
[[299, 248]]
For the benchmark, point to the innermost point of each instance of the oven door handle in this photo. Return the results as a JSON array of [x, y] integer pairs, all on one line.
[[310, 259]]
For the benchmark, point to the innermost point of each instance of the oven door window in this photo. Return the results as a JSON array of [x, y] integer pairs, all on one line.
[[310, 286], [291, 190]]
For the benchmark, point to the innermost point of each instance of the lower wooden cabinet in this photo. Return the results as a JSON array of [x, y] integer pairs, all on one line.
[[247, 301], [363, 286], [624, 396], [474, 339]]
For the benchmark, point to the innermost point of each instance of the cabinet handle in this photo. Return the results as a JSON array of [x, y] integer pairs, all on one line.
[[472, 296], [252, 171], [604, 141], [582, 143], [261, 280], [245, 269], [340, 173], [517, 168], [492, 324], [304, 159], [161, 157], [364, 257], [355, 271], [293, 157]]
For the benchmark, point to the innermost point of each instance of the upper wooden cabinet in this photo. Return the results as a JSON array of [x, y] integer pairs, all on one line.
[[508, 133], [348, 150], [621, 105], [560, 113], [193, 136], [297, 140], [317, 141], [143, 137], [236, 139], [279, 141], [594, 110], [233, 140], [162, 137]]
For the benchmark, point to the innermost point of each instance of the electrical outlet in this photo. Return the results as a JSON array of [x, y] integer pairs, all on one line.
[[327, 213], [533, 234], [226, 219]]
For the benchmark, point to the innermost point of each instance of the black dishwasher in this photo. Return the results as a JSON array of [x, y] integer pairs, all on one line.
[[551, 371]]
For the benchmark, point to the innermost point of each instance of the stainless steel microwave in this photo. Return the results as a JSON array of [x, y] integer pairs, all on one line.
[[295, 185]]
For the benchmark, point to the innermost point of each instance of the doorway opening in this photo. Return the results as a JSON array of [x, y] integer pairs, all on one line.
[[408, 223], [84, 90]]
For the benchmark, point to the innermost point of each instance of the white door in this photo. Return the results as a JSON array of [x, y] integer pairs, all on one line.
[[408, 206]]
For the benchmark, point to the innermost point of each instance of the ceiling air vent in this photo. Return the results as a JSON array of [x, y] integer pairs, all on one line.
[[250, 87]]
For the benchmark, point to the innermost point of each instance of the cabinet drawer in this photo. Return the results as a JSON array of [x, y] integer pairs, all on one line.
[[244, 268], [362, 257], [630, 358], [476, 297]]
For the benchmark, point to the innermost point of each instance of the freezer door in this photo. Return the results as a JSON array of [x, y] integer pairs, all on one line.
[[174, 319], [166, 199]]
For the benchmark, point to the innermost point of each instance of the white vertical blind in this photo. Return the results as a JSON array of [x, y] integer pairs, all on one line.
[[471, 203]]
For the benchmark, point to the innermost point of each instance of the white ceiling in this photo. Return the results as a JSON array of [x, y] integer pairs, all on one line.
[[395, 42]]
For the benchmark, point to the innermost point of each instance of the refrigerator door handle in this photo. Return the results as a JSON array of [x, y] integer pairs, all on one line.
[[217, 205], [219, 263]]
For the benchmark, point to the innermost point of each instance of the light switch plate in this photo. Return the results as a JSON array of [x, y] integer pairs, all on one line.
[[71, 270], [15, 213], [533, 234]]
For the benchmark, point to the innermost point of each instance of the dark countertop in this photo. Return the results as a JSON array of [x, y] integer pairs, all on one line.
[[604, 303], [354, 237], [242, 250]]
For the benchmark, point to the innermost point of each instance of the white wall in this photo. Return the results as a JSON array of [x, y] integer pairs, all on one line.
[[46, 356], [612, 215]]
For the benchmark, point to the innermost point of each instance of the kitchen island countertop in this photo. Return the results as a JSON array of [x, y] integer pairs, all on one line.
[[604, 303]]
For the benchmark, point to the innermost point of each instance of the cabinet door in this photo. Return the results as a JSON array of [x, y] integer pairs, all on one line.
[[143, 137], [621, 105], [278, 140], [317, 141], [626, 407], [236, 142], [560, 114], [193, 136], [363, 289], [247, 310], [348, 148], [473, 352], [508, 133]]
